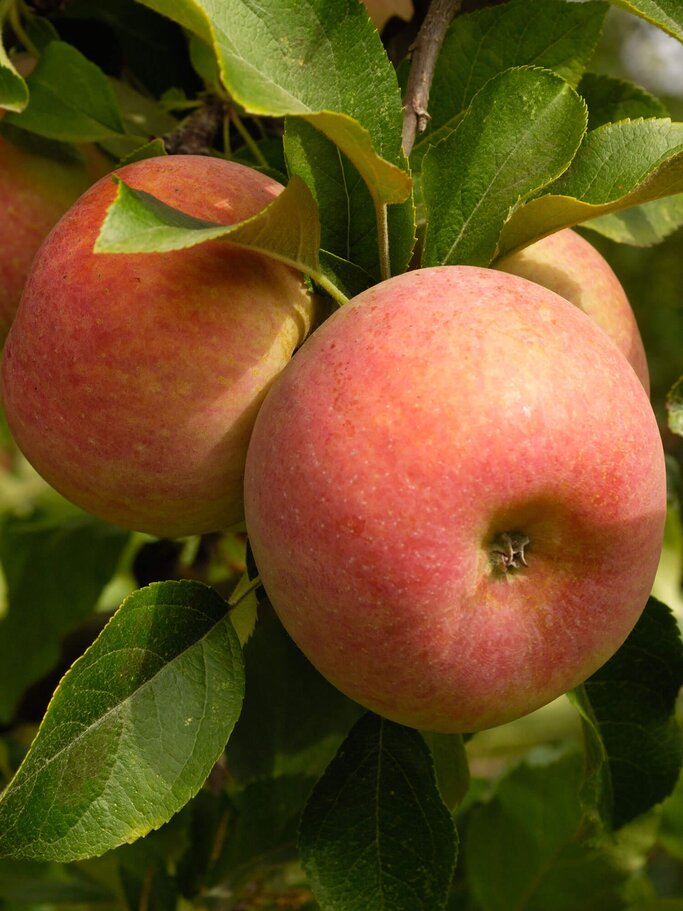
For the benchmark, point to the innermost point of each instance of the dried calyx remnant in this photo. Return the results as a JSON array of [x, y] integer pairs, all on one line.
[[507, 551]]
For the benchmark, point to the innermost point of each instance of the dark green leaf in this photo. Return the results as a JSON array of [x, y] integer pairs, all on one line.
[[523, 848], [674, 407], [132, 730], [634, 745], [552, 34], [520, 132], [375, 832], [349, 252], [32, 883], [293, 719], [667, 14], [611, 99], [70, 98], [41, 557], [618, 165], [263, 827], [347, 212]]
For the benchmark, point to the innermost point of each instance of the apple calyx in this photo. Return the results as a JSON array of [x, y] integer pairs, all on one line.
[[507, 551]]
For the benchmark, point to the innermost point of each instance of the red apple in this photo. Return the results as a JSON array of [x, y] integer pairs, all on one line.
[[36, 191], [455, 496], [567, 264], [131, 381]]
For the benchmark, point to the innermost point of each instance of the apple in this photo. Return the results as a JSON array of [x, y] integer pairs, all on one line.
[[36, 191], [455, 496], [131, 381], [569, 265]]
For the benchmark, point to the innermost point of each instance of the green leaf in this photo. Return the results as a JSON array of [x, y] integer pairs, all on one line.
[[375, 832], [288, 229], [530, 835], [13, 90], [133, 729], [347, 212], [70, 98], [293, 720], [618, 165], [610, 99], [263, 826], [41, 555], [641, 226], [318, 59], [519, 133], [666, 14], [450, 765], [634, 745], [670, 833], [484, 43], [674, 407], [348, 217], [31, 883]]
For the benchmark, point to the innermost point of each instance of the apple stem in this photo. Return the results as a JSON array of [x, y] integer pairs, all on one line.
[[507, 551]]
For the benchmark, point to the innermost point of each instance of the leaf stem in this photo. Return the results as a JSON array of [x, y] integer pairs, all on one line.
[[425, 51], [331, 289], [14, 19], [248, 138], [383, 239], [247, 590]]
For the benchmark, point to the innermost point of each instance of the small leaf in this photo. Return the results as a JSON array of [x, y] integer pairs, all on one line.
[[288, 229], [674, 407], [610, 99], [13, 90], [70, 98], [666, 14], [520, 132], [41, 555], [375, 832], [133, 729], [618, 165], [484, 43], [641, 226], [628, 709]]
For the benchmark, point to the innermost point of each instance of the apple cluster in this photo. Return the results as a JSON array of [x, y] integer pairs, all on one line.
[[454, 491]]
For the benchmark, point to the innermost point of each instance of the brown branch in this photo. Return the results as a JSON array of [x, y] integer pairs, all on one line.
[[425, 51], [196, 133]]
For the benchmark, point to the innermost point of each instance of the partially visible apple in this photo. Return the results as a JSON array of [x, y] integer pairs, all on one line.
[[131, 381], [36, 191], [455, 496], [569, 265]]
